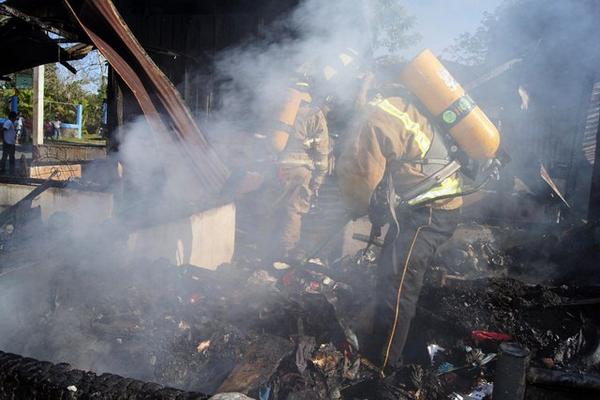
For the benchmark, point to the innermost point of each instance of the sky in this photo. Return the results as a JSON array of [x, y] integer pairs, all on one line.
[[440, 21]]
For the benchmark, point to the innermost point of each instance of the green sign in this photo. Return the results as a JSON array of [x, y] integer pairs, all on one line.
[[23, 80]]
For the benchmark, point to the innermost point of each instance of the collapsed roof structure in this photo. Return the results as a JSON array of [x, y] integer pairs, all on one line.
[[21, 29]]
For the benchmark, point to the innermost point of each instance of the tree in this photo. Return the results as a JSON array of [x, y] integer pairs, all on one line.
[[528, 29], [472, 48], [62, 93], [93, 104], [391, 27]]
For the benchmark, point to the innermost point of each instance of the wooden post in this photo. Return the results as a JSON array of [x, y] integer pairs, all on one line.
[[38, 105]]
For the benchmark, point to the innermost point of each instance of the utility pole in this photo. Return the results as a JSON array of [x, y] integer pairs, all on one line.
[[38, 105]]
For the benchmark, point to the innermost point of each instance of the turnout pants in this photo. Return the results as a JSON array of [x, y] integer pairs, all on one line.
[[296, 203], [8, 152], [287, 200], [402, 265]]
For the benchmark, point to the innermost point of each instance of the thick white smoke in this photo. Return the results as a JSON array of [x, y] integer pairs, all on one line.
[[157, 185], [160, 186]]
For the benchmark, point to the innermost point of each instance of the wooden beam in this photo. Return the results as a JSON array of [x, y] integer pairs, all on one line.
[[38, 105], [13, 12]]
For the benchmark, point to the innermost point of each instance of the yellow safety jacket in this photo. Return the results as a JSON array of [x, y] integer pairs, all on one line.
[[392, 133], [308, 145]]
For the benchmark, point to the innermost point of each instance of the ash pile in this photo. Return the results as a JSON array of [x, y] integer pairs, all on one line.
[[296, 332]]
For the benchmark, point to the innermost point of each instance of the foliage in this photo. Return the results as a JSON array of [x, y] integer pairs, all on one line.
[[61, 96], [391, 27], [517, 27], [472, 48]]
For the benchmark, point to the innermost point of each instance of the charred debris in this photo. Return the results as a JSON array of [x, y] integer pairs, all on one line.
[[297, 333]]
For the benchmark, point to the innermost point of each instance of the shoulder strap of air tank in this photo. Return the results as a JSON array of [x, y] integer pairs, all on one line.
[[441, 135], [438, 153]]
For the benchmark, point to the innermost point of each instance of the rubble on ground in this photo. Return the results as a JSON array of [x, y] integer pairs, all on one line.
[[297, 333]]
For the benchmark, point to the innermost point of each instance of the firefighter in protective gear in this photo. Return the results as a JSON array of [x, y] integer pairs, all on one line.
[[394, 141], [300, 170]]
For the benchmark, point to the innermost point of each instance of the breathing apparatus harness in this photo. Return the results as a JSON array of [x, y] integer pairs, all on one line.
[[386, 202]]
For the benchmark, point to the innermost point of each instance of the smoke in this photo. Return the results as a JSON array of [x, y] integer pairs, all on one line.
[[255, 75], [540, 102], [80, 257], [86, 252]]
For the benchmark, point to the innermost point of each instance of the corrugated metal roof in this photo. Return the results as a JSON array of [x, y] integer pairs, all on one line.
[[592, 123]]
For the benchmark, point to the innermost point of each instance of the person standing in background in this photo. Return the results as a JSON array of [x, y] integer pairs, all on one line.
[[27, 129], [19, 128], [56, 128], [299, 171], [9, 135]]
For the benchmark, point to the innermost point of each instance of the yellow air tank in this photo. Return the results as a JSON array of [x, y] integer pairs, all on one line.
[[345, 60], [445, 98], [286, 116]]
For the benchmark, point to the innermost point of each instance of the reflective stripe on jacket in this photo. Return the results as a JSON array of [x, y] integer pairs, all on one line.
[[391, 131], [448, 186], [308, 144]]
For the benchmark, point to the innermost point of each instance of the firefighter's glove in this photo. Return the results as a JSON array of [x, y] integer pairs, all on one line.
[[379, 209]]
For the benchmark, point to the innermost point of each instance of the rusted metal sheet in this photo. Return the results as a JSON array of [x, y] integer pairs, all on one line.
[[159, 100]]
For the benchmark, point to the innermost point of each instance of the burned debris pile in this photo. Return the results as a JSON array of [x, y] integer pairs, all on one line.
[[299, 332], [557, 324], [26, 378]]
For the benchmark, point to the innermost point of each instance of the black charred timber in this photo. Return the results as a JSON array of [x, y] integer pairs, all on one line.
[[511, 372], [24, 378], [570, 380], [5, 215]]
